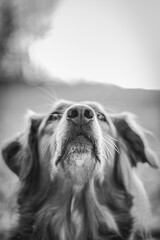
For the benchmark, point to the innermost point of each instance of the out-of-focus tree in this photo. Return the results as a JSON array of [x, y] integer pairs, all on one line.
[[21, 22]]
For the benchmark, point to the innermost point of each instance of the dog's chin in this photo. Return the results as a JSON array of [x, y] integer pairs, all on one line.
[[78, 160]]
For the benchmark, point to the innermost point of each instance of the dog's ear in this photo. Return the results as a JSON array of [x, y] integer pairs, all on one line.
[[11, 153], [17, 153], [133, 137]]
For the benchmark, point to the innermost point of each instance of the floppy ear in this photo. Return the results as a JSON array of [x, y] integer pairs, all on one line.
[[17, 153], [133, 137]]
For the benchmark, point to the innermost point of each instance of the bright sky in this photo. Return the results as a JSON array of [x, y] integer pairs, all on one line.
[[103, 41]]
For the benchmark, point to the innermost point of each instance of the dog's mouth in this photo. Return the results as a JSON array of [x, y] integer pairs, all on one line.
[[78, 159], [79, 149]]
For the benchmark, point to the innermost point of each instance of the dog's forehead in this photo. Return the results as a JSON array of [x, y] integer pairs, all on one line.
[[63, 105]]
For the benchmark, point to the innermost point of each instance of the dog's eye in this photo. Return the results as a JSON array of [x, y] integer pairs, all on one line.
[[101, 117], [54, 116]]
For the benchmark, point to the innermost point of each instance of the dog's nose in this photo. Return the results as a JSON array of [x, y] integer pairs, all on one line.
[[80, 114]]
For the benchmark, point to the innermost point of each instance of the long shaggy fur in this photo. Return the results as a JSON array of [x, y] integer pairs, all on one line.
[[77, 172]]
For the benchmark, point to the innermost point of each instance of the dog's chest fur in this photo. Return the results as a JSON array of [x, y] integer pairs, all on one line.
[[79, 214]]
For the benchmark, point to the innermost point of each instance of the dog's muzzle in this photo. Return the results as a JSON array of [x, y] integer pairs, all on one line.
[[79, 150]]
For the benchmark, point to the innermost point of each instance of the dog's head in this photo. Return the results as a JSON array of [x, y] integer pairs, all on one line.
[[78, 141], [76, 164]]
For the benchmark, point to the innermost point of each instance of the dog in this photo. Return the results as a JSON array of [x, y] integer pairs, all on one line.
[[77, 171]]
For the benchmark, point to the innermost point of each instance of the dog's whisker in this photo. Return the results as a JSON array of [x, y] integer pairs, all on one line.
[[112, 144], [110, 140], [110, 137], [109, 152]]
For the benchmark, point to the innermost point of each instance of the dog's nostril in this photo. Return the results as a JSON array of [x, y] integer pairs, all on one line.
[[80, 114], [88, 114], [72, 113]]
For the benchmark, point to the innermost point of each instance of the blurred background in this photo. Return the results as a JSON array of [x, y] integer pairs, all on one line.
[[101, 50]]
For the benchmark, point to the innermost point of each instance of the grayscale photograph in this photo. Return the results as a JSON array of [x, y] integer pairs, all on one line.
[[79, 120]]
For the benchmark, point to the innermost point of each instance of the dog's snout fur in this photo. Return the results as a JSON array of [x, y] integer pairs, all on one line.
[[78, 139]]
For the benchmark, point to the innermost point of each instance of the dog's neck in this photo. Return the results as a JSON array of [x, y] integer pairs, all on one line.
[[67, 211]]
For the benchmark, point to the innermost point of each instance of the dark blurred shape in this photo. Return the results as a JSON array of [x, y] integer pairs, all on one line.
[[21, 22], [7, 27]]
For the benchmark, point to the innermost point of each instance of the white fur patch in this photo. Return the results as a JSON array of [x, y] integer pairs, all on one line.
[[62, 233], [141, 207], [77, 221]]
